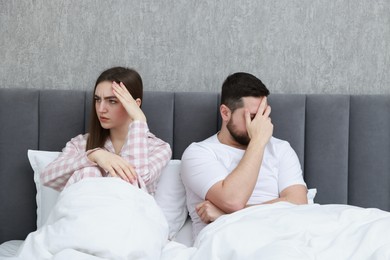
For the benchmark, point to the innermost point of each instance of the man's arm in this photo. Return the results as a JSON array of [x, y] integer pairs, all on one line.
[[233, 193], [296, 194]]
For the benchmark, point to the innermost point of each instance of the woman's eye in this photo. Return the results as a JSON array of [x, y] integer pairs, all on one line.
[[112, 101]]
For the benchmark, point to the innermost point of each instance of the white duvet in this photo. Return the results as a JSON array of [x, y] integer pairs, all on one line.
[[105, 218], [100, 218], [286, 231]]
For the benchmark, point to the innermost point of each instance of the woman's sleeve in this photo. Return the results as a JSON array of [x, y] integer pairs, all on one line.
[[72, 158], [147, 153]]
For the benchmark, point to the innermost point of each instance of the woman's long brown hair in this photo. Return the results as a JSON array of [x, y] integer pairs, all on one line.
[[133, 82]]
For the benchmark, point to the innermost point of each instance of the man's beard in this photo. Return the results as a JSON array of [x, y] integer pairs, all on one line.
[[241, 138]]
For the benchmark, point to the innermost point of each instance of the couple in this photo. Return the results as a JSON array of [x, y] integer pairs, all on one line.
[[240, 166]]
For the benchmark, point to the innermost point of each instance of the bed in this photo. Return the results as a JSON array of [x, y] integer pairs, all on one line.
[[342, 141]]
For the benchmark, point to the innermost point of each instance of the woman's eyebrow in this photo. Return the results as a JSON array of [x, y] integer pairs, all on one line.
[[109, 97]]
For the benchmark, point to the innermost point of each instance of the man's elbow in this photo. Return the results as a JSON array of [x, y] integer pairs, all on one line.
[[302, 202], [298, 200]]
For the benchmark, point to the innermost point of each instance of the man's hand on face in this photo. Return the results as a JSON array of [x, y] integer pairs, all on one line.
[[260, 128]]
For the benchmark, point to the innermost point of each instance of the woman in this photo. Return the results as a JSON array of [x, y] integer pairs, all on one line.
[[118, 144]]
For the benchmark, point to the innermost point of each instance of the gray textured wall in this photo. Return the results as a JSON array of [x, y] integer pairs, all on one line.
[[294, 46]]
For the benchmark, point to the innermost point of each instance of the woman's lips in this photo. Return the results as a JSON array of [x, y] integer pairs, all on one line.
[[103, 119]]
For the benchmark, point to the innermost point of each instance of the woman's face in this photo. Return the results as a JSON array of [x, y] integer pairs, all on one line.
[[110, 112]]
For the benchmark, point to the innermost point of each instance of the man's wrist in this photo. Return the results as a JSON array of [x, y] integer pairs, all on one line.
[[258, 142]]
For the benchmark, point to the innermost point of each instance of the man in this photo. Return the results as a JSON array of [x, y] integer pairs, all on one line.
[[241, 165]]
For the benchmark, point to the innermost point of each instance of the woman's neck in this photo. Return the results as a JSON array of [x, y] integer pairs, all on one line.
[[118, 139]]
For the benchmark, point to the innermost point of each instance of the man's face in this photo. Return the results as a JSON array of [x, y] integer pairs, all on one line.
[[237, 125]]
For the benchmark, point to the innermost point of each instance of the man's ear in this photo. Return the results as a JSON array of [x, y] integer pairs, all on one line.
[[138, 101], [225, 112]]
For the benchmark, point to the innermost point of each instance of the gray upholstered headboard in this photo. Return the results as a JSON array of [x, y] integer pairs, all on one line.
[[342, 141]]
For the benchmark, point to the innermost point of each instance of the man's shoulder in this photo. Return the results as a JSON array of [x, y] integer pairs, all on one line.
[[206, 144], [280, 150], [276, 145], [276, 141]]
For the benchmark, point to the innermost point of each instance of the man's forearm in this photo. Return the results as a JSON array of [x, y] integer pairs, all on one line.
[[295, 194], [233, 193]]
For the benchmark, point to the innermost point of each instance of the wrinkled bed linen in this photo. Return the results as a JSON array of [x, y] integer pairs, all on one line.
[[9, 248], [109, 220], [287, 231], [99, 218]]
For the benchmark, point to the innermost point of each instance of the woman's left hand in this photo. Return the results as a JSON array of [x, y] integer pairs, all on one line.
[[114, 165], [128, 102]]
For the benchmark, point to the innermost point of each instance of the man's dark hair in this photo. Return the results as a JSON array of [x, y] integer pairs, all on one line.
[[239, 85]]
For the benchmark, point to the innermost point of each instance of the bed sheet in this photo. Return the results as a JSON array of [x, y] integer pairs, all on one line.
[[286, 231], [99, 218], [276, 231], [9, 248], [183, 240]]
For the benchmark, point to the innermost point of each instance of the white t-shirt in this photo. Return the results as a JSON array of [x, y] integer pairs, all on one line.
[[208, 162]]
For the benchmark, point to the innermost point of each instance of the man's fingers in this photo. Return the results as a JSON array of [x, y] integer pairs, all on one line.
[[248, 121], [200, 205], [247, 116], [263, 106], [267, 111], [202, 214]]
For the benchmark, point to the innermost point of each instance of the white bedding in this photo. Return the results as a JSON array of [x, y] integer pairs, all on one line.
[[105, 218], [9, 248], [100, 218], [286, 231]]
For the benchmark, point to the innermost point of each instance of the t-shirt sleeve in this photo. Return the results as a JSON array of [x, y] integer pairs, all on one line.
[[290, 171], [200, 169]]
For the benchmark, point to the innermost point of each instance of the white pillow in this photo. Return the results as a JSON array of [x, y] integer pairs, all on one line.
[[170, 194], [46, 197], [171, 197], [311, 194]]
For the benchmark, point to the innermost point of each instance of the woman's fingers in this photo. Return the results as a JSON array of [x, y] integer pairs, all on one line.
[[120, 173], [129, 103], [116, 166], [126, 172], [121, 91]]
